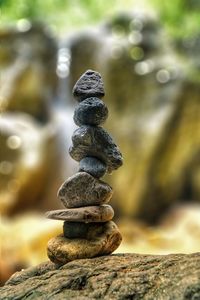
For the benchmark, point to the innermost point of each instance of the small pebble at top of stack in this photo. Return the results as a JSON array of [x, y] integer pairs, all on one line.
[[90, 84]]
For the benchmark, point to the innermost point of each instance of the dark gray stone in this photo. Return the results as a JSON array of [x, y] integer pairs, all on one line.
[[88, 214], [90, 84], [73, 230], [93, 166], [82, 189], [91, 111], [95, 141]]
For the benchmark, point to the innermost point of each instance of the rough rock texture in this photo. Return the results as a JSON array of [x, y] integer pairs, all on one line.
[[121, 276], [82, 189], [91, 111], [93, 166], [86, 214], [95, 141], [102, 239], [89, 85]]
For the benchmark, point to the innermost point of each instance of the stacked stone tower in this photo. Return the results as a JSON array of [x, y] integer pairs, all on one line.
[[87, 230]]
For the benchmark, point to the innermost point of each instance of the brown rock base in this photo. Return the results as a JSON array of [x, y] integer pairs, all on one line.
[[61, 250], [120, 276]]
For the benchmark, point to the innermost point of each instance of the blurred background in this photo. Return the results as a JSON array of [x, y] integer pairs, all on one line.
[[148, 53]]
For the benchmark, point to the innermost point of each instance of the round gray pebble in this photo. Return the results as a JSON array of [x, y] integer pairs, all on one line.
[[93, 166], [91, 111]]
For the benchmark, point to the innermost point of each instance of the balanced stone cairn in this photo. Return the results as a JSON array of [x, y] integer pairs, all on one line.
[[87, 230]]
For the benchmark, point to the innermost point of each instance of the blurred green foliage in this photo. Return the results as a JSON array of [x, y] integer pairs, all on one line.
[[181, 17], [61, 13]]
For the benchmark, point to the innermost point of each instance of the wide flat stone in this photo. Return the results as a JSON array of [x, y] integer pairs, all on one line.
[[95, 141], [93, 166], [81, 230], [102, 213], [91, 111], [90, 84], [82, 189], [61, 250]]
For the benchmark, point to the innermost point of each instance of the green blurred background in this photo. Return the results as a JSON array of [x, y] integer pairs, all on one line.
[[148, 55]]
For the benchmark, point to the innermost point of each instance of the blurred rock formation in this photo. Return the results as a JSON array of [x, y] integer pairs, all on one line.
[[154, 107], [28, 62], [30, 147]]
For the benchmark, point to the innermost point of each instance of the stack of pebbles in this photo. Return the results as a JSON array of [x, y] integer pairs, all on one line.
[[88, 230]]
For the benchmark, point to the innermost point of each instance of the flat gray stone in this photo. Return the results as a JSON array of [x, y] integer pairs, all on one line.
[[91, 111], [95, 141], [90, 84], [72, 230], [93, 166], [102, 213], [82, 189], [101, 240]]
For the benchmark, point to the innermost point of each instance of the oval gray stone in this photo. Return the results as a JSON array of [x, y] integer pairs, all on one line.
[[82, 189], [90, 84], [93, 166], [95, 141], [88, 214], [101, 240], [91, 111]]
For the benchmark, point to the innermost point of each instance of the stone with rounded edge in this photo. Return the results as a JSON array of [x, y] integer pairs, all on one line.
[[82, 189], [87, 214], [93, 166], [91, 111], [81, 230], [104, 241]]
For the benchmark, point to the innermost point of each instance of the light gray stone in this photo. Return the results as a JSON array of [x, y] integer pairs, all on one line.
[[102, 213]]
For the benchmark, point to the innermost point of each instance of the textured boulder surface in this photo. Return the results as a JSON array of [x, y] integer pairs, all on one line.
[[121, 276]]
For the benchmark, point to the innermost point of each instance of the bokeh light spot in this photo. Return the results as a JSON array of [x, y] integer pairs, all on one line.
[[142, 68], [13, 142], [6, 167], [136, 53], [23, 25], [163, 76], [135, 37]]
